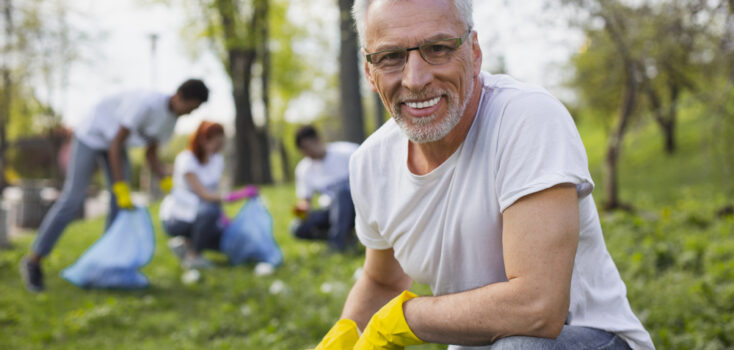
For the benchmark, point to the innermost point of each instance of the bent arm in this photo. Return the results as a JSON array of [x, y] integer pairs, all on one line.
[[200, 190], [114, 154], [382, 279], [539, 238], [151, 155], [303, 204]]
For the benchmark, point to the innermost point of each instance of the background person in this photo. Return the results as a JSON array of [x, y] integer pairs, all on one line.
[[192, 212], [479, 187], [324, 170], [128, 119]]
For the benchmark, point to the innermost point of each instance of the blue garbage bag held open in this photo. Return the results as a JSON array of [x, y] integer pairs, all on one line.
[[114, 259], [249, 237]]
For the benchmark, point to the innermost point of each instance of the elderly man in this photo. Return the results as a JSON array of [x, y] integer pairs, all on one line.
[[478, 187]]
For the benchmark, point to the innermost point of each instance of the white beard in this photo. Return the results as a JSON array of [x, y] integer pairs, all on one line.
[[423, 130]]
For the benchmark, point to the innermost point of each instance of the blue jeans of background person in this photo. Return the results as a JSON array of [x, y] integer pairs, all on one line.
[[334, 223], [204, 232], [571, 337], [83, 160]]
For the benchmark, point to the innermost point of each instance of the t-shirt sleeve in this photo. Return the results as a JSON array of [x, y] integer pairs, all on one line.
[[302, 189], [185, 163], [367, 234], [133, 112], [538, 147]]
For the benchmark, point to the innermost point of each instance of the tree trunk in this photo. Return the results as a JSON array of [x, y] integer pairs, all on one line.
[[614, 148], [284, 162], [664, 117], [5, 107], [669, 132], [614, 28], [261, 22], [351, 99], [246, 144], [252, 164]]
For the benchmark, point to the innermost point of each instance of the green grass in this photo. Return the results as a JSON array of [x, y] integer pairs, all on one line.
[[675, 254]]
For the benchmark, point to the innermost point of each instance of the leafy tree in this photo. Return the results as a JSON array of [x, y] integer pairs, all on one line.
[[640, 59], [238, 32], [39, 47], [257, 44], [613, 37]]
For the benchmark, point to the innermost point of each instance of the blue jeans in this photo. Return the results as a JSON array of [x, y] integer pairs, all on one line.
[[571, 337], [204, 232], [82, 163], [335, 223]]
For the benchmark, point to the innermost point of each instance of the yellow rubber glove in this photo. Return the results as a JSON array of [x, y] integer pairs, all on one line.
[[342, 336], [166, 184], [388, 329], [122, 193]]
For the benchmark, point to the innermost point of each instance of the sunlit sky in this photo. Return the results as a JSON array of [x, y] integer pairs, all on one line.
[[533, 45]]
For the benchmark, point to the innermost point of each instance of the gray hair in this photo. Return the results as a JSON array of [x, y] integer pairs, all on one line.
[[359, 13]]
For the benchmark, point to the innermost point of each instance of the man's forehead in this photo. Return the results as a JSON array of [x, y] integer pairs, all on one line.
[[400, 20]]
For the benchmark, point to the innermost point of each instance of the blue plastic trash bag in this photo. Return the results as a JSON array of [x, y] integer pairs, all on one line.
[[249, 237], [113, 261]]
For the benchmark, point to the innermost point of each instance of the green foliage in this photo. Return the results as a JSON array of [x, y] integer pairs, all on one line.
[[599, 94], [675, 255], [25, 108], [673, 49], [678, 267]]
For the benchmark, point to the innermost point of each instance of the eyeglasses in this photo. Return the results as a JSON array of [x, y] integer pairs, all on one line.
[[434, 52]]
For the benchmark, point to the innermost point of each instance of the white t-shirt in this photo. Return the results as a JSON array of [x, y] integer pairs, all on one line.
[[316, 175], [182, 203], [144, 113], [446, 226]]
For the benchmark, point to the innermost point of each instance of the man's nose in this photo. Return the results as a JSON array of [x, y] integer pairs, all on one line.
[[417, 72]]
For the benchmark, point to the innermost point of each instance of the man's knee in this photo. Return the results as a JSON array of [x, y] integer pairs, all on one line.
[[520, 342], [572, 337], [302, 230], [70, 204]]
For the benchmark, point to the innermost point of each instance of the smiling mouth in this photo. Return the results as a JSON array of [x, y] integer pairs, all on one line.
[[424, 104]]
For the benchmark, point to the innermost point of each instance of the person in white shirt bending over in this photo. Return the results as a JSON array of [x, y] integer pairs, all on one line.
[[479, 188], [324, 170], [192, 213], [128, 119]]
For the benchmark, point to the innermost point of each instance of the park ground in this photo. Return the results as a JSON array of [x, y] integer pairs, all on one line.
[[675, 252]]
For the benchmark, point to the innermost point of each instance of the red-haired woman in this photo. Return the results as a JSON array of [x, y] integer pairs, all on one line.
[[192, 212]]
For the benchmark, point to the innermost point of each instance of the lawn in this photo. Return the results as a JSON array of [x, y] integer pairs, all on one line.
[[674, 252]]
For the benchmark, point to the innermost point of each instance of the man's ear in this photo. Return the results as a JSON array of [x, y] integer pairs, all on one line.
[[476, 54], [368, 74]]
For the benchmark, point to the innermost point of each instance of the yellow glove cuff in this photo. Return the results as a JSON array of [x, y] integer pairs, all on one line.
[[388, 328], [122, 193], [342, 336], [166, 184]]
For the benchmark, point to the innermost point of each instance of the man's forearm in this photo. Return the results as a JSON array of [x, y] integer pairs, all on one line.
[[483, 315], [114, 156], [154, 163], [366, 297]]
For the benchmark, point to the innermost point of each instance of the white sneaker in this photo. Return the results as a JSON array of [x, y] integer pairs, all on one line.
[[177, 245], [293, 226], [196, 263]]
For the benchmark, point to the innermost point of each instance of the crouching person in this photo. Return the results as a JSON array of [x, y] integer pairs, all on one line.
[[324, 170], [192, 212]]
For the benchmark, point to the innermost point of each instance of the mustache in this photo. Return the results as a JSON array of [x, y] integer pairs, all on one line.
[[420, 95]]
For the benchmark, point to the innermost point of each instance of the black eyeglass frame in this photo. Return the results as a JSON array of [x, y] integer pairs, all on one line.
[[459, 41]]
